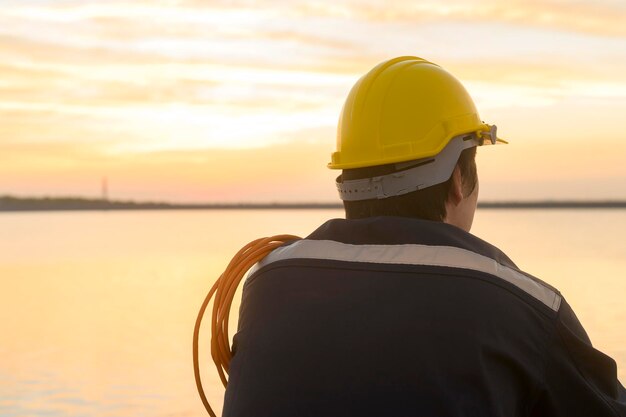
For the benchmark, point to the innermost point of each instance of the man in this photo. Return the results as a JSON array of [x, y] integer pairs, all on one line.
[[398, 310]]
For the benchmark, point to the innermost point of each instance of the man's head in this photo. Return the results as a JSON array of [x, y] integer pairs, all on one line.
[[406, 144]]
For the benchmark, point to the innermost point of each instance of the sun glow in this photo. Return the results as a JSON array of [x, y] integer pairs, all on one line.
[[114, 81]]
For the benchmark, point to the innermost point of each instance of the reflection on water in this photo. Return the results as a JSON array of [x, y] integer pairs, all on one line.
[[98, 308], [53, 395]]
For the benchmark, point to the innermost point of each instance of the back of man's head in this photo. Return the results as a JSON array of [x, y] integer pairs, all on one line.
[[428, 203]]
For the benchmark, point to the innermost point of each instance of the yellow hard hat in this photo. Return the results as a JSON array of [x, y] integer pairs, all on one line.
[[404, 109]]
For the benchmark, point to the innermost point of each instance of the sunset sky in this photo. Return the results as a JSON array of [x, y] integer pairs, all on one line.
[[228, 101]]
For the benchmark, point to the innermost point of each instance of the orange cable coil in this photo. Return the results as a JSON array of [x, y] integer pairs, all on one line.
[[224, 290]]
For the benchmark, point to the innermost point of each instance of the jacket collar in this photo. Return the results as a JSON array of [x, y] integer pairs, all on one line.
[[386, 230]]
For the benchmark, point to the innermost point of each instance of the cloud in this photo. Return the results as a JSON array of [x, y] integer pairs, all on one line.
[[164, 75], [603, 18], [342, 36], [26, 51]]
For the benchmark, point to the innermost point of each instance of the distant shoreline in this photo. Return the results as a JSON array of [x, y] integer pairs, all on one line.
[[13, 204]]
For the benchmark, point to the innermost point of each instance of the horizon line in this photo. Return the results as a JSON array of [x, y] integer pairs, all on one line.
[[12, 203]]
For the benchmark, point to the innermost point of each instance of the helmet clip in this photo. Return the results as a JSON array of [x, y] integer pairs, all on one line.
[[492, 135]]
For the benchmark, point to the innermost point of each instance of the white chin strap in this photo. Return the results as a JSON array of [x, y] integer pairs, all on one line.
[[412, 175]]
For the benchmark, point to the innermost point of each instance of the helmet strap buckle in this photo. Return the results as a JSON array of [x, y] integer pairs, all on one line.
[[492, 135]]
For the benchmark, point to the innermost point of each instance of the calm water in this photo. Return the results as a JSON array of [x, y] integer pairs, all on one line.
[[97, 308]]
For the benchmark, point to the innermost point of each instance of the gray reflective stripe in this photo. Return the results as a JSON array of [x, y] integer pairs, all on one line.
[[446, 256]]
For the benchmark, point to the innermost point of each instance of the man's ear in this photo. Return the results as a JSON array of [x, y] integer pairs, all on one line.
[[455, 195]]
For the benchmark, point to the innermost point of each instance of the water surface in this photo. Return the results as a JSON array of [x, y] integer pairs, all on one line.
[[97, 308]]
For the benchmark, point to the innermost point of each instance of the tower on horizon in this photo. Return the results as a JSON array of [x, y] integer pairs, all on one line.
[[105, 189]]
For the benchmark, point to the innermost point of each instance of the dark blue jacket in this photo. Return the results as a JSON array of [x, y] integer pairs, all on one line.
[[404, 317]]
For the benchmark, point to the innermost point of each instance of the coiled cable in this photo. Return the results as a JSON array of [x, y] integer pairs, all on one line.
[[224, 292]]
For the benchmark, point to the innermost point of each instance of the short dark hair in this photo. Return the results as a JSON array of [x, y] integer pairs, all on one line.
[[428, 203]]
